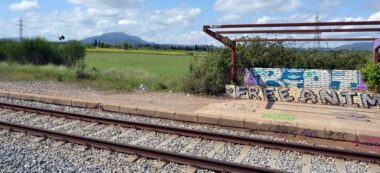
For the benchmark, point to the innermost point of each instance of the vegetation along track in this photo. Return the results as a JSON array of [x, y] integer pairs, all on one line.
[[213, 150]]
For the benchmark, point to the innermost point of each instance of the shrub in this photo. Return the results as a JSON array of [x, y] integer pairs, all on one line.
[[82, 73], [210, 74], [41, 52], [371, 75], [72, 53]]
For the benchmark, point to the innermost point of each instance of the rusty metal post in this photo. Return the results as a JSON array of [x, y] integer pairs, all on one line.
[[229, 43], [233, 64]]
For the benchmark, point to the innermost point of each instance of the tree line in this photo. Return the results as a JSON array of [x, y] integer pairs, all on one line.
[[39, 51], [152, 46]]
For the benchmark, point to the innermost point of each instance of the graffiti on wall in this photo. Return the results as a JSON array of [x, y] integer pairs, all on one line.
[[328, 97], [305, 78]]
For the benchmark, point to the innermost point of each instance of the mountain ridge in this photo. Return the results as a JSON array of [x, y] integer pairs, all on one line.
[[115, 38], [361, 46]]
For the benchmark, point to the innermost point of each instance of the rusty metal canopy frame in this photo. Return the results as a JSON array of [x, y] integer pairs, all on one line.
[[231, 43]]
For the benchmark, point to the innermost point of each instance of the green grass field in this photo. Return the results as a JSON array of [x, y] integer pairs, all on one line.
[[162, 66], [140, 51], [121, 71]]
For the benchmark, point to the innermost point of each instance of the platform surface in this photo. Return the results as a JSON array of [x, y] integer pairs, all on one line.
[[312, 120], [325, 121]]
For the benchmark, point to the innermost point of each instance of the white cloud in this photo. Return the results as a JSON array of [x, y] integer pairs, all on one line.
[[234, 18], [297, 17], [264, 19], [24, 5], [180, 17], [375, 16], [107, 8], [108, 3], [251, 7], [175, 25], [127, 22], [192, 37]]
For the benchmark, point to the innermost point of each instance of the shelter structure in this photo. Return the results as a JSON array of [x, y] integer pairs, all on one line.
[[222, 33]]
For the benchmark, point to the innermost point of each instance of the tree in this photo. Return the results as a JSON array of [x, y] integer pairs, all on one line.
[[95, 43], [126, 45]]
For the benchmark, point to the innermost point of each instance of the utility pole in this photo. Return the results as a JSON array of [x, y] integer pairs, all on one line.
[[317, 34], [21, 29]]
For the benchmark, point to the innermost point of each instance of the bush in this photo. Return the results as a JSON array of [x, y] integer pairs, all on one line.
[[82, 73], [210, 74], [41, 52], [371, 75], [72, 53]]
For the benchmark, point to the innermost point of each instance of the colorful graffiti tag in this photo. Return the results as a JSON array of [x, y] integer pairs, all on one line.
[[343, 98], [306, 78], [333, 87]]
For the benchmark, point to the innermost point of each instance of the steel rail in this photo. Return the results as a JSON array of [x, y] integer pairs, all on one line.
[[212, 164], [298, 31], [304, 39], [296, 24], [279, 145]]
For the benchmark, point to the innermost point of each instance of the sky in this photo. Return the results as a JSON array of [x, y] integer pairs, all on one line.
[[168, 21]]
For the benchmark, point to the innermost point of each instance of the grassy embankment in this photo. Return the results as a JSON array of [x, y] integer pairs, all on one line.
[[111, 69]]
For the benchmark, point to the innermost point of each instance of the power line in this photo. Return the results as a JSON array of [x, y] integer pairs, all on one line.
[[21, 29], [317, 34]]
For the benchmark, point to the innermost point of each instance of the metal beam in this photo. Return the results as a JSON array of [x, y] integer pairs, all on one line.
[[225, 40], [305, 39], [298, 31], [231, 44], [296, 24]]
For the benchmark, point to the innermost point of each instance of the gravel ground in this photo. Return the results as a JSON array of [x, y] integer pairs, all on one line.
[[19, 117], [177, 144], [154, 140], [204, 171], [22, 155], [47, 122], [72, 128], [110, 133], [201, 149], [357, 167], [229, 152], [132, 136], [290, 161], [10, 115], [322, 164], [258, 156], [173, 168]]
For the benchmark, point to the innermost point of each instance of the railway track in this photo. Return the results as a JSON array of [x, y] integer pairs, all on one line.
[[214, 151]]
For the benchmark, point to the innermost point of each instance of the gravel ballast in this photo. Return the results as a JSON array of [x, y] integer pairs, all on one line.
[[20, 154]]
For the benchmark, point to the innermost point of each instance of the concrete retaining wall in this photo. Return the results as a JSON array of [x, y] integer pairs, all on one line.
[[306, 78]]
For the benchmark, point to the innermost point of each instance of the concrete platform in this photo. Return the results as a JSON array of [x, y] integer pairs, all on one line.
[[331, 122], [312, 120]]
